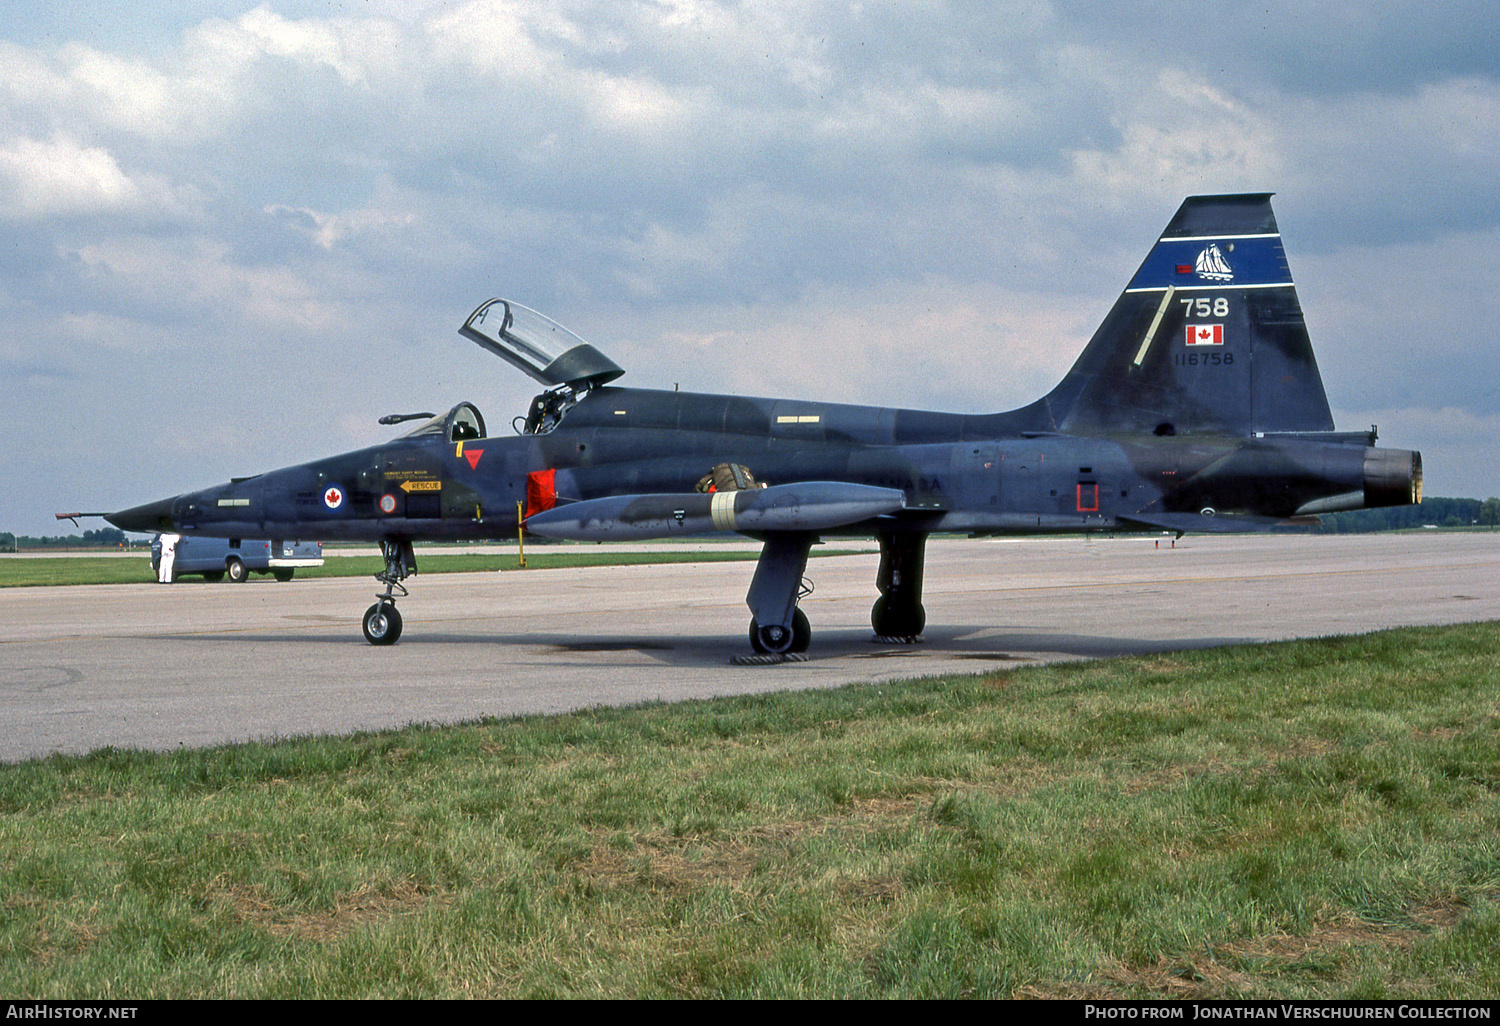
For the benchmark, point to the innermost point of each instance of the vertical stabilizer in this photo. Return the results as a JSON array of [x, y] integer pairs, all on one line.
[[1208, 337]]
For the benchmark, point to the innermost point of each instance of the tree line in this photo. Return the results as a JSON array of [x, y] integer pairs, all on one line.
[[1434, 512], [104, 537]]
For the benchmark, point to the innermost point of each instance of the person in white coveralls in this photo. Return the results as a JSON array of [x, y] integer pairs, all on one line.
[[168, 557]]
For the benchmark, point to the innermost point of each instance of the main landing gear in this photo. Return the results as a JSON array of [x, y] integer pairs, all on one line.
[[898, 616], [777, 627], [382, 622], [779, 630]]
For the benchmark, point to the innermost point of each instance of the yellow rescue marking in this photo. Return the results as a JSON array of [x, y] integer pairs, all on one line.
[[421, 486]]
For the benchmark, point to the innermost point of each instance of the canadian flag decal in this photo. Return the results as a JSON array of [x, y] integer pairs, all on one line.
[[1205, 334]]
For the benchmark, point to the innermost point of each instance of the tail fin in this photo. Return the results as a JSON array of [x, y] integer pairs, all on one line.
[[1208, 337]]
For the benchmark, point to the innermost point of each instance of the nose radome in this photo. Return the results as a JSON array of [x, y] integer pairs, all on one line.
[[148, 519]]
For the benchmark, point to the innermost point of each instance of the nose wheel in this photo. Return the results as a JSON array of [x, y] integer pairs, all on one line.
[[382, 622]]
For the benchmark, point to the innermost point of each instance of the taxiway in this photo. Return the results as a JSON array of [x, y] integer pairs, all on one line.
[[158, 667]]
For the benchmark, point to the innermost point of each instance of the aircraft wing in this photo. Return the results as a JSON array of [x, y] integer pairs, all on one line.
[[805, 507], [1198, 523]]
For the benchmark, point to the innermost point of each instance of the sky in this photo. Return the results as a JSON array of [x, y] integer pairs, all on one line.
[[233, 235]]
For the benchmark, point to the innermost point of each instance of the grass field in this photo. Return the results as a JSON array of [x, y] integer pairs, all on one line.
[[18, 573], [1312, 819]]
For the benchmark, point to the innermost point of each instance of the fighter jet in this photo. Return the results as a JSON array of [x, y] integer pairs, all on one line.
[[1196, 406]]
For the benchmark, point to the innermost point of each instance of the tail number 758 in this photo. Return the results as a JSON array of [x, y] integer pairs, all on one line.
[[1205, 306]]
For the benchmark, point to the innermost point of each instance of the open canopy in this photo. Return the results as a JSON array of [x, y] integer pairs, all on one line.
[[539, 346]]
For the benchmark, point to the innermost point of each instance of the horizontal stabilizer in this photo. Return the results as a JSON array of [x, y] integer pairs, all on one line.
[[807, 506], [1199, 523]]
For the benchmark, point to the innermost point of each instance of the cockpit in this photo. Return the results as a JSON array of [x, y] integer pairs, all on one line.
[[538, 345], [458, 424], [545, 350]]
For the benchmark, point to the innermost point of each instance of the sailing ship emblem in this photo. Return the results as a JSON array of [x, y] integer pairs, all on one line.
[[1212, 266]]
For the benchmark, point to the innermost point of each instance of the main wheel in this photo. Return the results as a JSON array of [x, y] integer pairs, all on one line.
[[897, 621], [775, 639], [236, 570], [801, 631], [382, 624]]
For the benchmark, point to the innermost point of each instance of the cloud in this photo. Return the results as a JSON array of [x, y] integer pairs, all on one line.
[[1300, 48], [61, 178], [1405, 323], [330, 229], [923, 205]]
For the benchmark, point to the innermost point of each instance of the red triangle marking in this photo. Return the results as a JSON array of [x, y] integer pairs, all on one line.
[[472, 455]]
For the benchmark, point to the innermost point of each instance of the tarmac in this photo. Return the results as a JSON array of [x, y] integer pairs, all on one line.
[[195, 664]]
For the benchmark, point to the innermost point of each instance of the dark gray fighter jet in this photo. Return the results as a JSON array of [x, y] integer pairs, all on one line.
[[1197, 406]]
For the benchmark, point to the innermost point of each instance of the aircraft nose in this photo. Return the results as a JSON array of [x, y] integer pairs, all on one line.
[[148, 519]]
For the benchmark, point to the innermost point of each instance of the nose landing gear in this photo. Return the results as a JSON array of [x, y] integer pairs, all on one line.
[[382, 622]]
